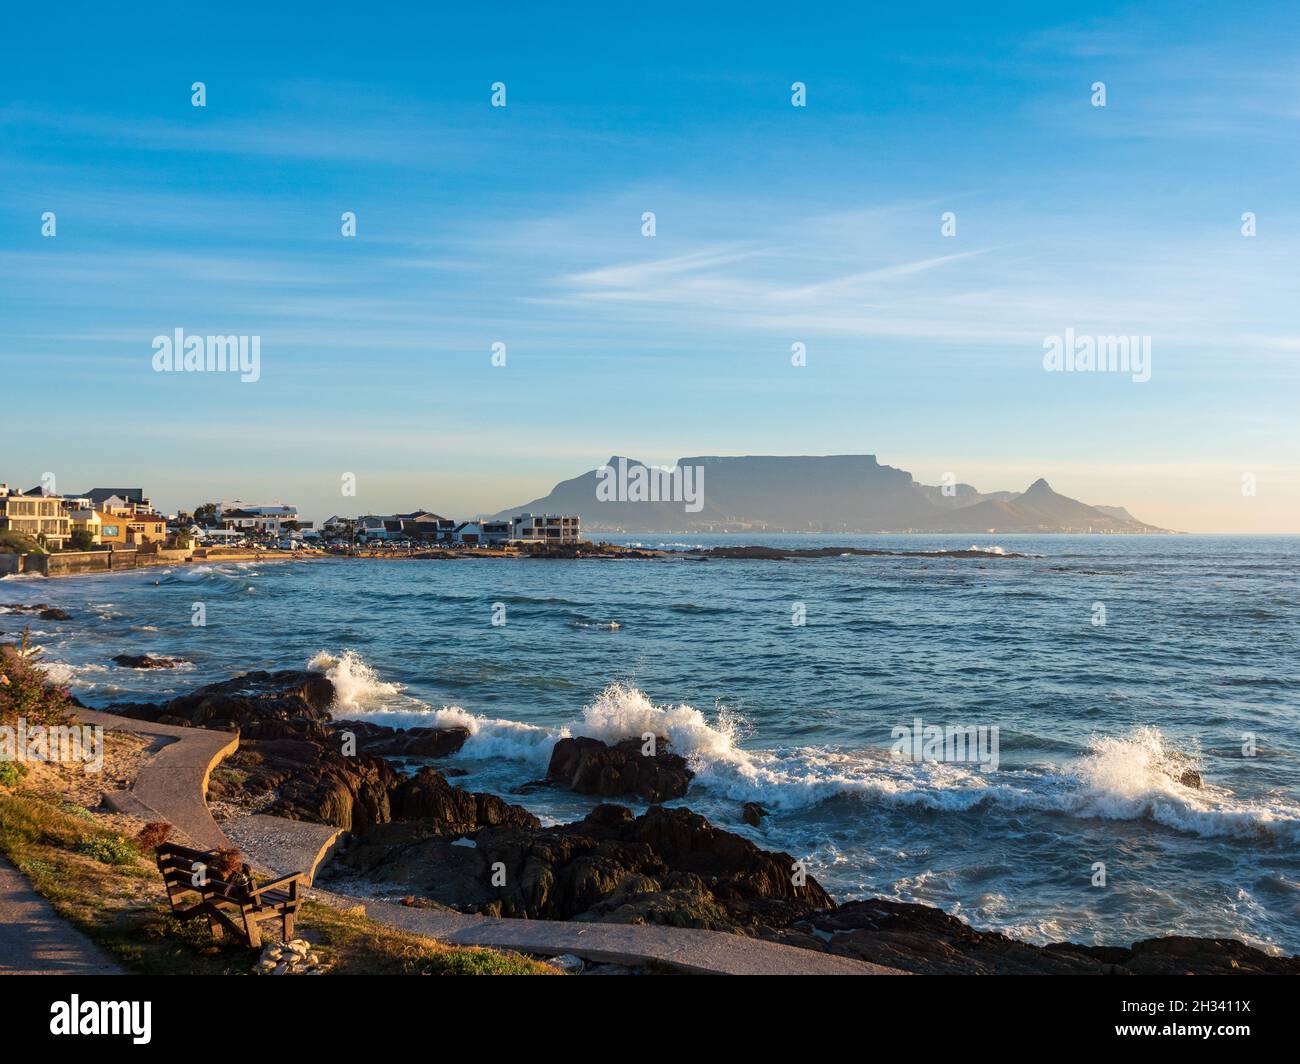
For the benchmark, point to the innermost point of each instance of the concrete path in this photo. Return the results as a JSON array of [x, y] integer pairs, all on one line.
[[35, 940], [683, 948], [279, 846], [173, 784]]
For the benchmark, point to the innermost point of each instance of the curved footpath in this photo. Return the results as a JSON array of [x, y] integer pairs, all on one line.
[[172, 784]]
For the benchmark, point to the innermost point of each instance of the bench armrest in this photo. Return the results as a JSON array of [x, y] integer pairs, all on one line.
[[276, 884]]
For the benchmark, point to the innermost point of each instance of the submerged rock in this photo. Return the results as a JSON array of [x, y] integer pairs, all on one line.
[[145, 661], [42, 610]]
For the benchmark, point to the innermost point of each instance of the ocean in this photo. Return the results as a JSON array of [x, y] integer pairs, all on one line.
[[1195, 665]]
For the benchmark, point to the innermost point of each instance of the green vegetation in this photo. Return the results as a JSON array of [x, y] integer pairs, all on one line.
[[111, 850], [81, 539], [12, 773], [16, 543]]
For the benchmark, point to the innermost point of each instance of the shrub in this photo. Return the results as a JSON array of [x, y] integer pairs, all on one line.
[[81, 539], [12, 773], [110, 849], [77, 811], [153, 835], [25, 689]]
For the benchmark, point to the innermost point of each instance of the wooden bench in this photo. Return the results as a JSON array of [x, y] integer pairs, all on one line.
[[235, 905]]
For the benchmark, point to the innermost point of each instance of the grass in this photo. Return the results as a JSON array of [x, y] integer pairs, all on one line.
[[100, 882]]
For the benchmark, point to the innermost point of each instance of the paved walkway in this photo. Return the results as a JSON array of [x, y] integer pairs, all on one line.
[[173, 784], [683, 948], [279, 846], [35, 940]]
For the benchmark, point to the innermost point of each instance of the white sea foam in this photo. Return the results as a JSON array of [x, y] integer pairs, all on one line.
[[63, 674], [1129, 777], [357, 687]]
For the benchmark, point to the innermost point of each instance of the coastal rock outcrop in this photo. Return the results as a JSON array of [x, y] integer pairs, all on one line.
[[667, 866], [920, 939], [428, 797], [259, 704], [590, 766], [307, 779], [382, 741]]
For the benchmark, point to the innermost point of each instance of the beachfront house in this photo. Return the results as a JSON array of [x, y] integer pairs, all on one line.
[[425, 526], [372, 526], [86, 519], [259, 519], [42, 517], [529, 529], [422, 525], [131, 529], [338, 527], [221, 537], [482, 533], [113, 501]]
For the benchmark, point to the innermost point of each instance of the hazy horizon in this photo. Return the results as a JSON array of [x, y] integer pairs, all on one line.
[[949, 197], [319, 502]]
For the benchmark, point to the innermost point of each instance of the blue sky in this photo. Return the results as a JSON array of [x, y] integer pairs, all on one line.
[[774, 225]]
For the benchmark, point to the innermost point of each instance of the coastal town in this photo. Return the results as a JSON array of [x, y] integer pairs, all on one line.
[[37, 525]]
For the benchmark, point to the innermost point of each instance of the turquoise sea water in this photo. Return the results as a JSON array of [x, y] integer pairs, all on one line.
[[1196, 661]]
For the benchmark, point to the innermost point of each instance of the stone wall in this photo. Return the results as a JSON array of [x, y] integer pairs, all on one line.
[[68, 563]]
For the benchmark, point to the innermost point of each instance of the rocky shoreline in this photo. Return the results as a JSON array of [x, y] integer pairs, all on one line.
[[416, 835]]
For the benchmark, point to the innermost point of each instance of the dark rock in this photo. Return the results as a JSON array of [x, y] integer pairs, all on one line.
[[1189, 777], [667, 866], [382, 741], [752, 813], [269, 705], [145, 661], [426, 796], [920, 939], [42, 610], [308, 779], [589, 766]]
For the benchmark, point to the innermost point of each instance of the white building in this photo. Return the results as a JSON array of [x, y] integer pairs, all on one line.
[[482, 533], [545, 528], [264, 518]]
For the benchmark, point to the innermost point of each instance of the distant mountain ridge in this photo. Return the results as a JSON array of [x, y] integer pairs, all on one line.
[[821, 493]]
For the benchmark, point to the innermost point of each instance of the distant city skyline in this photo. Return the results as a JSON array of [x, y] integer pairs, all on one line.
[[774, 226]]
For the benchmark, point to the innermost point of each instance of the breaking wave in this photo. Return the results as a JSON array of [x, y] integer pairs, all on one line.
[[1132, 777]]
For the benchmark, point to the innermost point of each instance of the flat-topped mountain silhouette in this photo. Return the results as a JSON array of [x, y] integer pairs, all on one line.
[[829, 493]]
